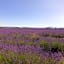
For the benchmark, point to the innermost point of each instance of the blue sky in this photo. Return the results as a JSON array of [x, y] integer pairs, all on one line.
[[32, 13]]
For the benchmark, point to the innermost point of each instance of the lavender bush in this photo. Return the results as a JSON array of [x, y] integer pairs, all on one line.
[[31, 46]]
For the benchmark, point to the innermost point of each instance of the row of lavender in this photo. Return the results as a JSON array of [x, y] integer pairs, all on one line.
[[31, 46]]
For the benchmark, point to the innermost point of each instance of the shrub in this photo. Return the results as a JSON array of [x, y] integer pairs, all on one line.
[[45, 45]]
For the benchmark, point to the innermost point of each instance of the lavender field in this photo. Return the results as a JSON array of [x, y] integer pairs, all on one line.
[[31, 45]]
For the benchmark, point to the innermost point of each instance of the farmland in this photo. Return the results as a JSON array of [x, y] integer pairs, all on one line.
[[31, 45]]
